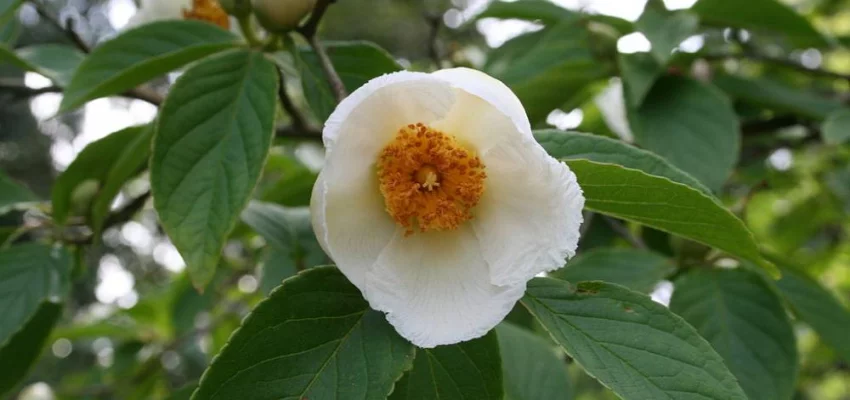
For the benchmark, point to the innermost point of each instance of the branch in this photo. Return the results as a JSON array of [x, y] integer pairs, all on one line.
[[298, 121], [624, 232], [768, 125], [783, 62], [291, 132], [308, 30], [434, 23]]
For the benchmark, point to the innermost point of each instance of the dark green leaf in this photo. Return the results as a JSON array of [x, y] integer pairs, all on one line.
[[8, 8], [96, 164], [760, 15], [836, 128], [467, 370], [665, 205], [819, 308], [22, 350], [639, 72], [313, 338], [631, 344], [294, 188], [9, 32], [212, 138], [692, 125], [11, 193], [745, 322], [552, 69], [665, 30], [355, 62], [777, 96], [529, 10], [638, 270], [141, 54], [531, 367], [30, 274], [57, 62], [575, 146]]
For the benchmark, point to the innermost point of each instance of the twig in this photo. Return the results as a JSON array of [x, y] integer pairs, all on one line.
[[434, 23], [624, 232], [784, 62], [291, 132], [308, 30], [298, 121], [769, 125], [588, 220]]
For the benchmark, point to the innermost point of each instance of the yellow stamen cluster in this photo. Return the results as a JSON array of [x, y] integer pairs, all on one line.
[[429, 180], [208, 10]]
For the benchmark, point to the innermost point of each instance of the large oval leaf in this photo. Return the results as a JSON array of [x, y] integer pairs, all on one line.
[[211, 142], [573, 146], [355, 62], [54, 61], [532, 369], [764, 15], [743, 319], [631, 344], [141, 54], [467, 370], [636, 269], [543, 11], [777, 96], [692, 125], [22, 350], [665, 205], [30, 274], [313, 338], [819, 308]]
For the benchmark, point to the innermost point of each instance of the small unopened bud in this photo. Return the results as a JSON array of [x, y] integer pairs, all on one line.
[[236, 8], [282, 15]]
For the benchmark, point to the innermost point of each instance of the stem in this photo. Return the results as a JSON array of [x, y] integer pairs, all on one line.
[[308, 30], [625, 233], [298, 121], [247, 29]]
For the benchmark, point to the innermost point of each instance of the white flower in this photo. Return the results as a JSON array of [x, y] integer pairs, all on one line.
[[439, 205]]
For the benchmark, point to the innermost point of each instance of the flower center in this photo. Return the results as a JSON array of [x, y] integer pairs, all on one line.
[[429, 180]]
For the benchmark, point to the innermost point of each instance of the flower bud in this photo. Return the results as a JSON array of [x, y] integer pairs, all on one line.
[[236, 8], [282, 15]]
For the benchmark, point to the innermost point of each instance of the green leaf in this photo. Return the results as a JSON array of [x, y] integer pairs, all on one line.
[[745, 322], [467, 370], [639, 72], [8, 8], [819, 308], [777, 96], [57, 62], [836, 128], [9, 32], [760, 15], [530, 10], [22, 350], [97, 163], [665, 30], [30, 274], [132, 160], [141, 54], [692, 125], [631, 344], [212, 138], [289, 231], [313, 338], [531, 367], [12, 193], [355, 62], [552, 68], [665, 205], [638, 270], [574, 146], [294, 188]]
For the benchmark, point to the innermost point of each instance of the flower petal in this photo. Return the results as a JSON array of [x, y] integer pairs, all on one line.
[[435, 288], [349, 211], [490, 90], [529, 216]]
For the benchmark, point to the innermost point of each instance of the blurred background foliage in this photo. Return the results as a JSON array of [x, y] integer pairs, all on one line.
[[135, 327]]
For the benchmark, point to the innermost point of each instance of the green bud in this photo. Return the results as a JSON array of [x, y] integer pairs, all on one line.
[[236, 8], [282, 15]]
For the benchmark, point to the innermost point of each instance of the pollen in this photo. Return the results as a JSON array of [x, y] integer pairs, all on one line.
[[208, 10], [429, 181]]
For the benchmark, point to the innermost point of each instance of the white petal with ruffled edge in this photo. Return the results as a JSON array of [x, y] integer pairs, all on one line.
[[435, 288], [352, 223], [529, 217]]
